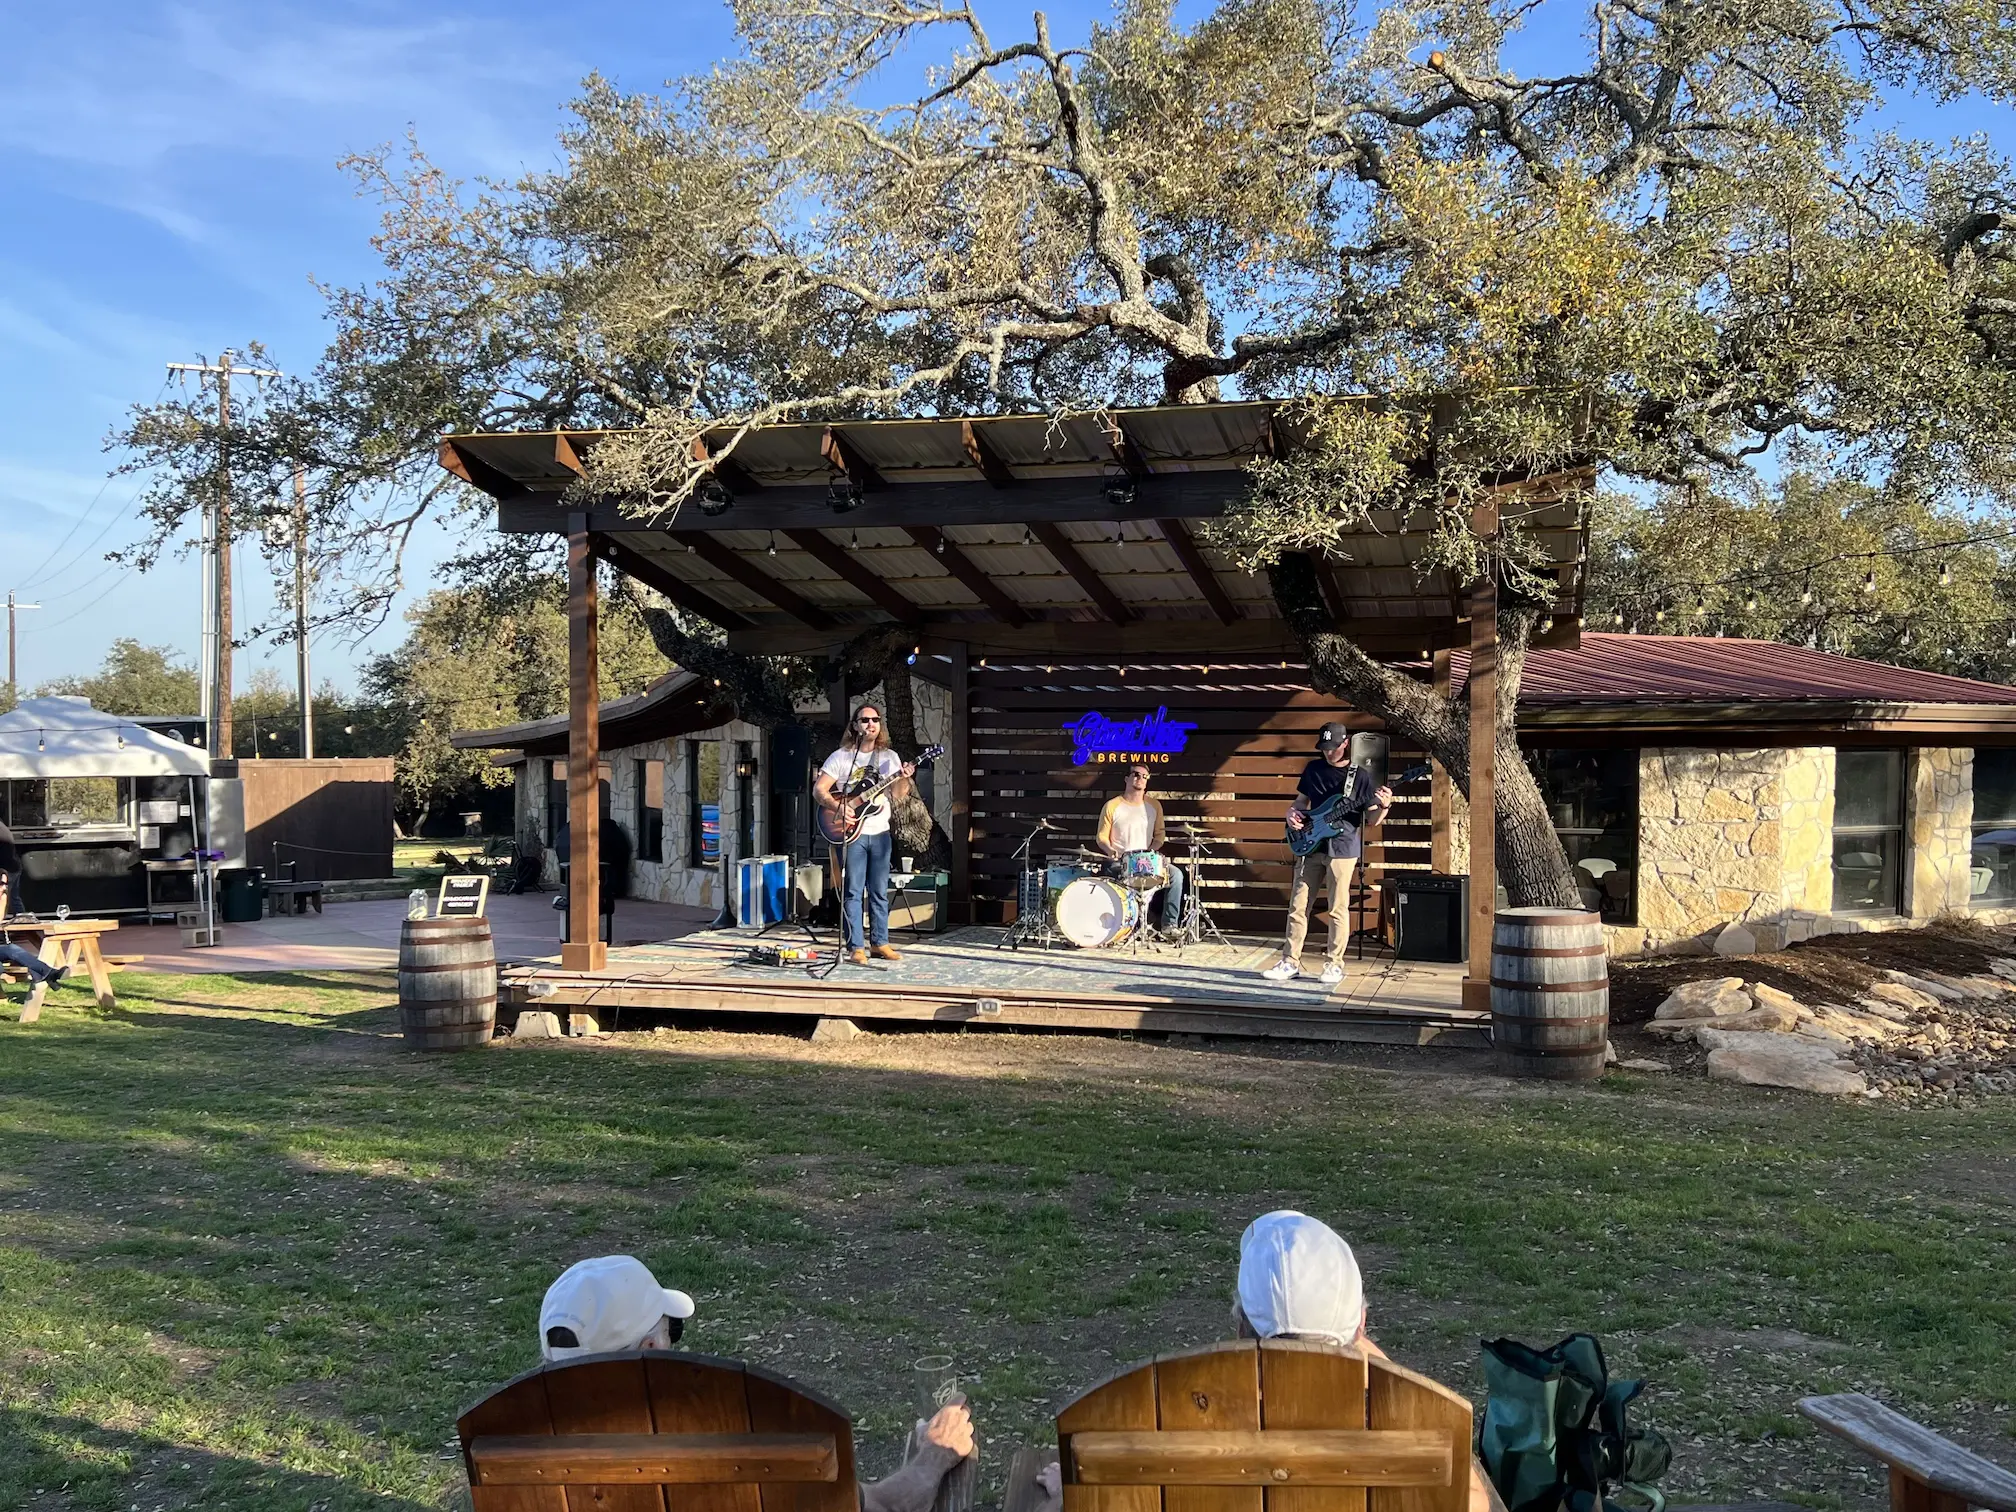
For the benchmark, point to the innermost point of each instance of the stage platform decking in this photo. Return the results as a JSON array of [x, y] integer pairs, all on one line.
[[961, 977]]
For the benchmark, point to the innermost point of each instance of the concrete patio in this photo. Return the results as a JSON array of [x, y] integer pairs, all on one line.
[[364, 936]]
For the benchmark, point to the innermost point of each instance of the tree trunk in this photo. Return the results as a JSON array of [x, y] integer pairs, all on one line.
[[1532, 866]]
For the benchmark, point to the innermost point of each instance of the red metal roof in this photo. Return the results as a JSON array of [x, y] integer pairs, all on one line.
[[1666, 669]]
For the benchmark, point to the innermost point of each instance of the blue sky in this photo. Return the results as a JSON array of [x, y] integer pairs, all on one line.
[[169, 174]]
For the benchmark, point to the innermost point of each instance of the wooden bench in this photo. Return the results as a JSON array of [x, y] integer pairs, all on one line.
[[612, 1432], [1274, 1425], [68, 943], [1927, 1473]]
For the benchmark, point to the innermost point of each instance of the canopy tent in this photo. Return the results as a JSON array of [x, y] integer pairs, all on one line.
[[66, 737]]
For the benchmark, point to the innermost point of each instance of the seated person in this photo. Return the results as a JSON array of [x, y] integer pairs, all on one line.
[[613, 1303], [1133, 822], [1297, 1280], [40, 972]]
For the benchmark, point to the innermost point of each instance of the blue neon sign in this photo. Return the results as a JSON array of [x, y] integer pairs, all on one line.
[[1095, 738]]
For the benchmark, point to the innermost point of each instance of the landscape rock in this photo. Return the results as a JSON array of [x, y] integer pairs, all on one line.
[[1902, 996], [1711, 997], [2004, 967], [1764, 995], [1937, 990], [835, 1031], [536, 1025], [1735, 940], [1643, 1064], [1775, 1060], [1883, 1008], [1751, 1021], [1813, 1029]]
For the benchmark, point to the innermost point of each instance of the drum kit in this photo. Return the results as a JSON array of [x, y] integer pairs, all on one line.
[[1084, 899]]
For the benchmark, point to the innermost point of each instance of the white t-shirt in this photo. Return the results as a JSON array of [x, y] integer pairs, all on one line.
[[847, 768], [1133, 825]]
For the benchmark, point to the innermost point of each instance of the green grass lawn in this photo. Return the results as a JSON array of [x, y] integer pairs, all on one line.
[[255, 1255]]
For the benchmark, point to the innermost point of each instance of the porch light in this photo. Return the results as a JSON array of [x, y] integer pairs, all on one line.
[[713, 496]]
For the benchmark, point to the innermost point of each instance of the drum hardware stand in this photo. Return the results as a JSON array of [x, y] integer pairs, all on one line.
[[1032, 926], [1197, 925]]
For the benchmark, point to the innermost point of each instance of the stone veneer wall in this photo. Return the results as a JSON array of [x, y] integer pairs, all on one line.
[[1939, 823], [1710, 827]]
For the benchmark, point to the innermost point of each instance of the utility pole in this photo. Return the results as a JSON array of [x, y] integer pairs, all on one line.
[[12, 696], [217, 607], [301, 611]]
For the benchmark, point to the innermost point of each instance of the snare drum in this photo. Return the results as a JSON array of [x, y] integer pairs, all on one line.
[[1094, 911], [1144, 871]]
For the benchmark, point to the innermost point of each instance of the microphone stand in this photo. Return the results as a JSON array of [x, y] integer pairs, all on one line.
[[1032, 925]]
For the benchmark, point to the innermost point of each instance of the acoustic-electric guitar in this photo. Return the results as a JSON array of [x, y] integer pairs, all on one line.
[[843, 825], [1330, 816]]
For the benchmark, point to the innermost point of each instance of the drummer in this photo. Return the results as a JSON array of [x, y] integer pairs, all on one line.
[[1133, 822]]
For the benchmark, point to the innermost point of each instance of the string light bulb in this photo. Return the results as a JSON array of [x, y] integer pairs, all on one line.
[[854, 539], [1945, 574], [1806, 596], [1750, 604], [940, 547], [1869, 582], [773, 544]]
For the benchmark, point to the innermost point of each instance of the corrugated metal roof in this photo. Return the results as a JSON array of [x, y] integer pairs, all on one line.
[[1610, 669]]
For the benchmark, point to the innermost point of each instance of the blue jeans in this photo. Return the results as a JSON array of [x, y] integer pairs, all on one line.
[[38, 969], [867, 874], [1172, 900]]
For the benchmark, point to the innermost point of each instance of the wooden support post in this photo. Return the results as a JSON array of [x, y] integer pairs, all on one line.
[[584, 950], [959, 757], [1441, 792], [1483, 763]]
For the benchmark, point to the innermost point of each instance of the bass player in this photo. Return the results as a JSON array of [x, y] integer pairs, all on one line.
[[864, 759], [1330, 773]]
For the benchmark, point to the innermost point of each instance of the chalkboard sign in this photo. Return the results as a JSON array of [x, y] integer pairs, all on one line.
[[462, 897]]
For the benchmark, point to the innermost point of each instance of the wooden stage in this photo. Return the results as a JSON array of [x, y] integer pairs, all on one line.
[[962, 978]]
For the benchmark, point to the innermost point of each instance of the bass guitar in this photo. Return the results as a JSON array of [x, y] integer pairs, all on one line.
[[1328, 818], [841, 826]]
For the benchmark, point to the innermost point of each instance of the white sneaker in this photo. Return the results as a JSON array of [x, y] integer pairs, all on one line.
[[1332, 974], [1282, 971]]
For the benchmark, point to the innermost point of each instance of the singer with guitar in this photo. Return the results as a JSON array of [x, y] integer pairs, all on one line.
[[865, 758], [1329, 775]]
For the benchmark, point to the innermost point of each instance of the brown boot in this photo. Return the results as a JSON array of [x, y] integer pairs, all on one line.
[[858, 957], [886, 953]]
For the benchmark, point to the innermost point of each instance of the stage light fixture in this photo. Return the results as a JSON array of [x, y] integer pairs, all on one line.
[[1120, 490], [843, 494], [713, 496]]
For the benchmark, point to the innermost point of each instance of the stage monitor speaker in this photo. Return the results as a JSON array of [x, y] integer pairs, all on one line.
[[790, 759], [1431, 917], [1368, 750]]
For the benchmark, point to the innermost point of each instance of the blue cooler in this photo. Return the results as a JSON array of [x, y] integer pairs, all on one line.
[[762, 891]]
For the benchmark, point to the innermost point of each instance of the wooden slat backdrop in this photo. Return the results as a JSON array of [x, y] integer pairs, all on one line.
[[1256, 726]]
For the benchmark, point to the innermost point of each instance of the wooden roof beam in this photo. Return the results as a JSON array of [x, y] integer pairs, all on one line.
[[731, 474], [851, 570], [963, 567], [687, 596], [984, 456], [710, 550], [1059, 546], [1178, 537], [843, 457], [473, 470]]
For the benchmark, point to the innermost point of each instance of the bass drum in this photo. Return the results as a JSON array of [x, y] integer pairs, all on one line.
[[1094, 911]]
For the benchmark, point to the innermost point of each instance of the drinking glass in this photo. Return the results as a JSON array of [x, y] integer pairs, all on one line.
[[937, 1382], [938, 1385]]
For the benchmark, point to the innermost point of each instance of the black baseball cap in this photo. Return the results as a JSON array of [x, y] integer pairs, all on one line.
[[1332, 734]]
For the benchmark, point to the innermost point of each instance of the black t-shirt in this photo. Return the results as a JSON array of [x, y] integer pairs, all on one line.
[[1320, 780]]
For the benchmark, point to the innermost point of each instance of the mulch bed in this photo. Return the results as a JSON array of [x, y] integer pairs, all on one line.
[[1832, 969]]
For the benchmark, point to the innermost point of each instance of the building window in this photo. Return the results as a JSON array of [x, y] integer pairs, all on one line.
[[703, 803], [1592, 797], [556, 801], [1991, 876], [1868, 831], [651, 811]]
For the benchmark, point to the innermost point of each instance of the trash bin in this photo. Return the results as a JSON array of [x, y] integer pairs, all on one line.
[[241, 892]]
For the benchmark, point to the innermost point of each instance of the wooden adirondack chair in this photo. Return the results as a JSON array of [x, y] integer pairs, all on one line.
[[1927, 1473], [614, 1431], [1273, 1425]]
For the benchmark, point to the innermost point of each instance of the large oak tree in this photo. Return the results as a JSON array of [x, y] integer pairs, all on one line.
[[1676, 247]]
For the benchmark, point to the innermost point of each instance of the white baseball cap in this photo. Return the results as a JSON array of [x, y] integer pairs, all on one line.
[[610, 1302], [1296, 1276]]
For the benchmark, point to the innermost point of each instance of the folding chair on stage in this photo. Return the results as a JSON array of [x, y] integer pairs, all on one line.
[[1275, 1425], [616, 1431]]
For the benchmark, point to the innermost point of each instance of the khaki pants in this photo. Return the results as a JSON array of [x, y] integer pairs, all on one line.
[[1338, 869]]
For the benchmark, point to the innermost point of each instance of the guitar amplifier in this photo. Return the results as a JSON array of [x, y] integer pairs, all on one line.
[[1431, 916]]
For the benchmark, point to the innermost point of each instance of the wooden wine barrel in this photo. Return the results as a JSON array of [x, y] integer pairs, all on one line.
[[447, 984], [1550, 993]]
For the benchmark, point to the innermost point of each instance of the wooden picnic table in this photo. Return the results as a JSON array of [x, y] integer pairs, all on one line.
[[68, 943]]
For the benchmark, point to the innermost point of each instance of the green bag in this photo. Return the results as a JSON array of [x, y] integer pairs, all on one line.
[[1557, 1429]]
